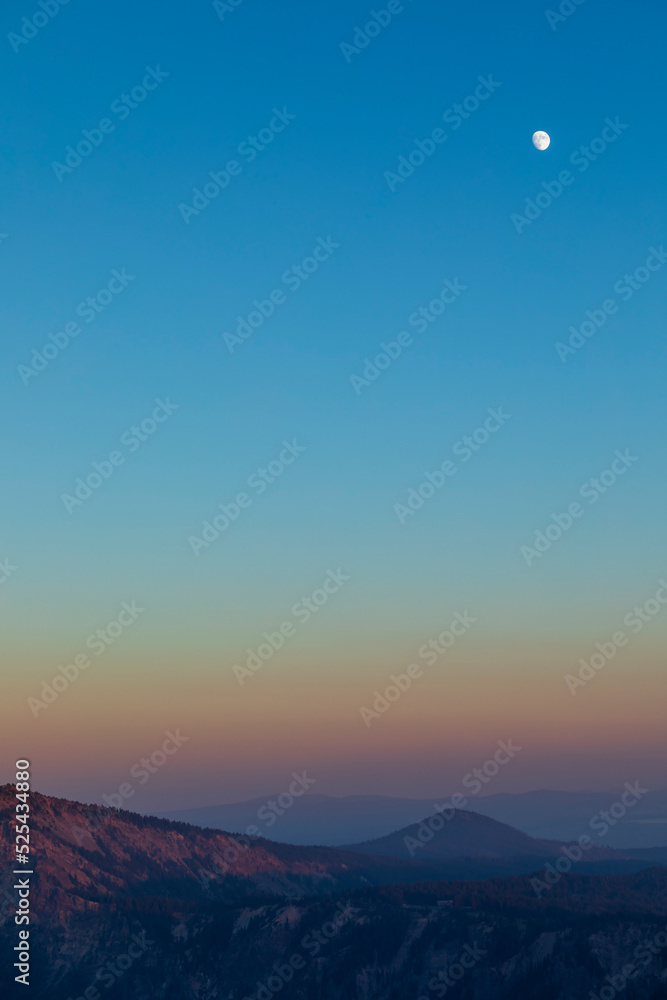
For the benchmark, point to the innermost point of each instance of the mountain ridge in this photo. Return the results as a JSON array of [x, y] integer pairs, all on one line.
[[94, 852], [548, 814], [169, 911]]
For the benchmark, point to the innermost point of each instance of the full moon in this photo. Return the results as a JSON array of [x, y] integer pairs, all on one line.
[[541, 140]]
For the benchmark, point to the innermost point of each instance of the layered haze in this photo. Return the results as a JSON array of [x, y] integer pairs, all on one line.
[[339, 507]]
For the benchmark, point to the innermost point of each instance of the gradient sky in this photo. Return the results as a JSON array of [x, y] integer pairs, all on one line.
[[324, 176]]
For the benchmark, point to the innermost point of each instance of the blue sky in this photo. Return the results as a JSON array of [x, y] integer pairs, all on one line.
[[323, 176]]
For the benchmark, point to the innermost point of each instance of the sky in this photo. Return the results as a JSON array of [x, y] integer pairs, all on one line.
[[350, 190]]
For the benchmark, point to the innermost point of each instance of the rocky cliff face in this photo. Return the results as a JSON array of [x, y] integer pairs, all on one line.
[[90, 855], [138, 908], [373, 945]]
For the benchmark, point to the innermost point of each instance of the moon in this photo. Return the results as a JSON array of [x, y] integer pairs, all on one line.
[[541, 140]]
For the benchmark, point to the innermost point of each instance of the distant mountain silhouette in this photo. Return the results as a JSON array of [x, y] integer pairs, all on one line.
[[466, 834], [162, 910], [470, 835], [335, 821], [314, 818], [95, 852], [559, 815]]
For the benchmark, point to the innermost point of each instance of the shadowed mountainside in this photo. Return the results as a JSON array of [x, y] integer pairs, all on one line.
[[164, 911], [93, 853], [468, 835]]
